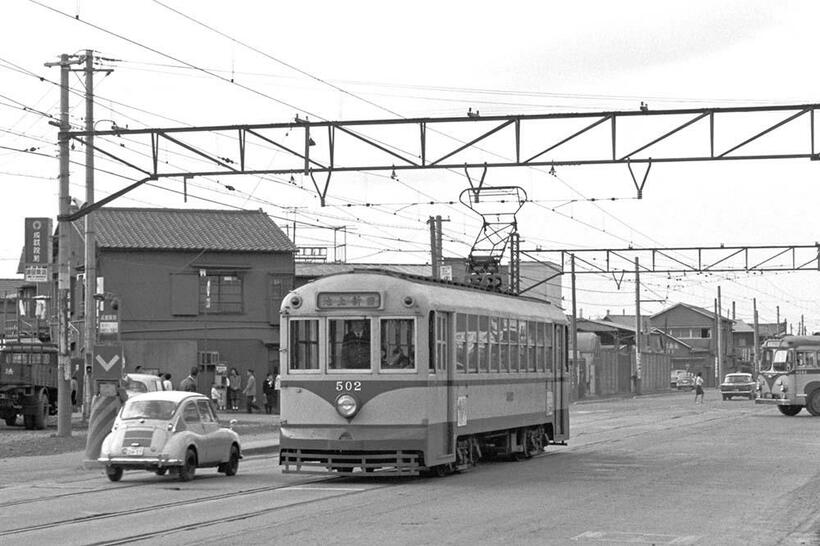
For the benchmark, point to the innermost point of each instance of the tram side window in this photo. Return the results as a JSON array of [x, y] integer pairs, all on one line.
[[548, 346], [504, 344], [442, 335], [522, 346], [512, 336], [483, 338], [349, 344], [304, 344], [461, 342], [540, 361], [495, 347], [398, 344]]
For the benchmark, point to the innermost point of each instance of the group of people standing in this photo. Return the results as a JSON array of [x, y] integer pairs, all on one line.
[[232, 387]]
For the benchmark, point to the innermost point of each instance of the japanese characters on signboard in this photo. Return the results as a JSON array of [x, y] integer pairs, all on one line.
[[37, 249], [349, 300]]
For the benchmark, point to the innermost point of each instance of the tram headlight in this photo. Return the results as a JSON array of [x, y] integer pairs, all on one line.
[[347, 405], [783, 387]]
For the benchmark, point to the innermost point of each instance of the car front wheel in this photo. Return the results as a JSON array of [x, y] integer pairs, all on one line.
[[114, 473], [188, 468]]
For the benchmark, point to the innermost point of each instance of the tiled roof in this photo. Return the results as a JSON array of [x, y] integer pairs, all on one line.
[[185, 229]]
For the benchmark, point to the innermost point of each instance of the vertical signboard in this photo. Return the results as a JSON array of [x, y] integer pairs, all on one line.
[[37, 251]]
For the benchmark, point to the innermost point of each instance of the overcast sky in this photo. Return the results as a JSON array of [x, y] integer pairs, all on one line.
[[375, 60]]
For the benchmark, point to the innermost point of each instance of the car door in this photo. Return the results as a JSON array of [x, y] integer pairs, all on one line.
[[211, 437], [194, 427]]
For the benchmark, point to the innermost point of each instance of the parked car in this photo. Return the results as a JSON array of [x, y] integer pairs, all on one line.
[[174, 431], [686, 381], [673, 381], [137, 383], [738, 384]]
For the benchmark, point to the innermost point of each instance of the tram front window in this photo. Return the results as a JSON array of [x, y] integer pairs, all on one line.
[[782, 361], [349, 341], [397, 344]]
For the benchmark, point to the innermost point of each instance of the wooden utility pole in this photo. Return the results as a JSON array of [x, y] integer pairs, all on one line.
[[719, 341], [90, 304], [756, 342], [574, 326], [63, 254], [637, 373]]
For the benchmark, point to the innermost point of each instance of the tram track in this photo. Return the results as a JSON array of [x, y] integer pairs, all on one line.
[[152, 508], [231, 519]]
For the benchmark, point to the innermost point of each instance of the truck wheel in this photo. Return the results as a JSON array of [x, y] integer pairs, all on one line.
[[10, 420], [813, 403], [42, 414]]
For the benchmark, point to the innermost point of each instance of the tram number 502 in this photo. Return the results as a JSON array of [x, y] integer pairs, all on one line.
[[355, 386]]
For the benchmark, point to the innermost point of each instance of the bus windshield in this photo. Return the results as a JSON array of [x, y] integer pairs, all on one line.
[[782, 361]]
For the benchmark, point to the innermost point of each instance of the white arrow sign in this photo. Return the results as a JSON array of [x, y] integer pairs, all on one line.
[[107, 365]]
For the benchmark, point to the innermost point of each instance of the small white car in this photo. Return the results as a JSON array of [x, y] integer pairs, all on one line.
[[136, 383], [174, 431]]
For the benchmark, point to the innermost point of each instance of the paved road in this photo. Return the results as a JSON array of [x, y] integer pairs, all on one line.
[[654, 470]]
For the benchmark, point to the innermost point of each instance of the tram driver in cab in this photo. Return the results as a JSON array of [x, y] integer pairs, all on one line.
[[356, 346]]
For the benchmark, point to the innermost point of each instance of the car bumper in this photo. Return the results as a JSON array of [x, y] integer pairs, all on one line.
[[142, 462]]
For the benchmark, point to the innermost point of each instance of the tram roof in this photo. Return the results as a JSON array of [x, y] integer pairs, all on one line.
[[442, 287]]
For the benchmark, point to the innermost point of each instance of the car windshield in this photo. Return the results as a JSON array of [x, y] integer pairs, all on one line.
[[148, 409], [738, 378]]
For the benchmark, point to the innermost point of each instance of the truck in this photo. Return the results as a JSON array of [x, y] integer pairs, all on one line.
[[28, 381]]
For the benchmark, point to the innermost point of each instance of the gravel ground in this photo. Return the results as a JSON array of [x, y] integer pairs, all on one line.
[[18, 442]]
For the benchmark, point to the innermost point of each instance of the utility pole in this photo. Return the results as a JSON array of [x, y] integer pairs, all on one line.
[[63, 272], [574, 332], [90, 306], [719, 341], [756, 342], [637, 374], [435, 245]]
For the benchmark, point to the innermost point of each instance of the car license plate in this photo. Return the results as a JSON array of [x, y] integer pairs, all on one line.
[[128, 450]]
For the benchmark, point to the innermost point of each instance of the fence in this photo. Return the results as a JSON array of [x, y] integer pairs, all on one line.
[[609, 372]]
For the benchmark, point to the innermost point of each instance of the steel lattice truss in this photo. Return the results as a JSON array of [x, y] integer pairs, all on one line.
[[320, 148], [682, 260]]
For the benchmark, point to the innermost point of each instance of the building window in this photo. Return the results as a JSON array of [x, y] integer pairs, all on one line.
[[208, 358], [220, 293]]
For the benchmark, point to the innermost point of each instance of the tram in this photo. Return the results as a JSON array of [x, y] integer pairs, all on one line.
[[790, 378], [389, 374]]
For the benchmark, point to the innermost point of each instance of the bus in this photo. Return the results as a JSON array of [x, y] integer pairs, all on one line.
[[390, 374], [790, 378]]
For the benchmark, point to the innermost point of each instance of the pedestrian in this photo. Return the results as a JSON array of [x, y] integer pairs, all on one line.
[[277, 390], [250, 393], [234, 385], [166, 382], [269, 390], [215, 397], [189, 383], [699, 388], [74, 387]]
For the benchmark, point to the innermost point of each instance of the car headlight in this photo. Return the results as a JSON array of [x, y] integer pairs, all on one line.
[[347, 405]]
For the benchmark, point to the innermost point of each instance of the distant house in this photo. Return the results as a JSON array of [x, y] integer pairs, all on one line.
[[193, 287], [692, 340]]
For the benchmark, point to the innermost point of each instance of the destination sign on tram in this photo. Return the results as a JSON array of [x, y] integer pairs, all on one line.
[[349, 300]]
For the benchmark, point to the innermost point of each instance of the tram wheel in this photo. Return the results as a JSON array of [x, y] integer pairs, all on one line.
[[813, 403], [791, 411]]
